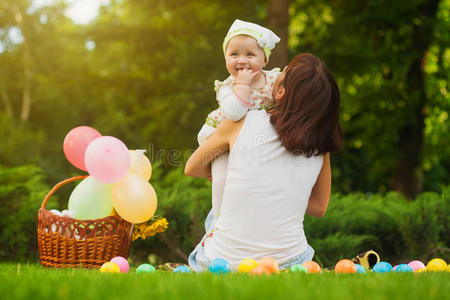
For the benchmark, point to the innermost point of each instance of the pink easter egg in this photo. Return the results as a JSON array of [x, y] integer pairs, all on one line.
[[395, 267], [122, 263], [416, 265]]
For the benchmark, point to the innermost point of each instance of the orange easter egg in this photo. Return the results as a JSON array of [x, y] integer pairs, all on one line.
[[258, 270], [345, 266], [312, 267], [269, 265]]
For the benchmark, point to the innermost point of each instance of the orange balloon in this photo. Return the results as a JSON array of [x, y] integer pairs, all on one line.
[[312, 267], [140, 165], [269, 265], [345, 266], [134, 199], [258, 270]]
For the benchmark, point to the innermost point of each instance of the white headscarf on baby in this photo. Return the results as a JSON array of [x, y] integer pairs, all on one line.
[[266, 38]]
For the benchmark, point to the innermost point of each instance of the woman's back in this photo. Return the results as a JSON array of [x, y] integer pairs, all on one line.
[[266, 194]]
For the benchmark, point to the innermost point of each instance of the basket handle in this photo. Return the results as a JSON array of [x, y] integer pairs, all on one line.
[[57, 186]]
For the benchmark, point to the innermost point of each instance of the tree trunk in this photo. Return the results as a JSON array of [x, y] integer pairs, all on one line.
[[407, 178], [6, 102], [26, 57], [278, 22]]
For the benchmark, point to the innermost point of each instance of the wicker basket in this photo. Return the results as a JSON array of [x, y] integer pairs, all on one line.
[[66, 242]]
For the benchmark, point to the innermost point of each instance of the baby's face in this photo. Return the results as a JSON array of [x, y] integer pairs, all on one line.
[[243, 52]]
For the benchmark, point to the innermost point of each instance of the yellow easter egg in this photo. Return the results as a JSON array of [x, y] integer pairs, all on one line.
[[436, 265], [109, 267], [246, 265], [448, 268], [420, 270]]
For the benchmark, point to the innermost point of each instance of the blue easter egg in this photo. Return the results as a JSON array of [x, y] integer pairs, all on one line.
[[404, 268], [219, 266], [382, 267], [360, 269], [182, 269]]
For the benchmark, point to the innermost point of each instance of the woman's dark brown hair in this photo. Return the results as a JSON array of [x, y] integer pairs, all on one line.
[[307, 117]]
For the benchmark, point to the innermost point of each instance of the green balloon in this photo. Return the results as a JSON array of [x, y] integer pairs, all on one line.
[[299, 268], [91, 199]]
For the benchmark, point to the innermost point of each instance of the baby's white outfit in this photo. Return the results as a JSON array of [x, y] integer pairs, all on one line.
[[233, 108]]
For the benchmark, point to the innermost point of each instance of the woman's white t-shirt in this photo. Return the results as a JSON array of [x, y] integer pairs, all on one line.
[[266, 194]]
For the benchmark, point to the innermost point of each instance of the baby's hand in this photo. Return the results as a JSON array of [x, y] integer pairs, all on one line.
[[247, 77]]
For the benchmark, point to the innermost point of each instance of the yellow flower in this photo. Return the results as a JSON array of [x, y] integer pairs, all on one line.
[[150, 228]]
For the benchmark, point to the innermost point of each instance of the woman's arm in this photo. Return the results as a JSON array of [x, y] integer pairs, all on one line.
[[198, 165], [320, 194]]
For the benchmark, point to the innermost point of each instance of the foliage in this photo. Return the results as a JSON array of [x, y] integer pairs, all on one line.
[[397, 229], [21, 192], [184, 201], [373, 48]]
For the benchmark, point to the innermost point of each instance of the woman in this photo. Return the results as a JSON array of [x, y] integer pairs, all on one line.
[[279, 169]]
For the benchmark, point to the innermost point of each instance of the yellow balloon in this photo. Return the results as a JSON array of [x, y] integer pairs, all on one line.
[[109, 267], [246, 265], [134, 199], [140, 165]]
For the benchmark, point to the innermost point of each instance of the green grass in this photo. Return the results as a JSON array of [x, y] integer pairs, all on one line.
[[31, 281]]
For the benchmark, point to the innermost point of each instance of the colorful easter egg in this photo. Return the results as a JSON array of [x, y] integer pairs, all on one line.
[[219, 266], [109, 267], [246, 265]]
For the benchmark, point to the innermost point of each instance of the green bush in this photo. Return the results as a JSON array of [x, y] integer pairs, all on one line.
[[21, 193], [185, 202], [398, 229]]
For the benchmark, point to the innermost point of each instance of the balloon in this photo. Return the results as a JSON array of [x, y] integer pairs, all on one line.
[[107, 159], [134, 199], [76, 142], [91, 200], [140, 165]]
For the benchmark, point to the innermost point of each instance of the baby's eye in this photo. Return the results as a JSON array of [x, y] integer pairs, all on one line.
[[250, 54], [233, 54]]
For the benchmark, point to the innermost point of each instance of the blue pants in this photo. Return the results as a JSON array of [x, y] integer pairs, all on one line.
[[200, 263]]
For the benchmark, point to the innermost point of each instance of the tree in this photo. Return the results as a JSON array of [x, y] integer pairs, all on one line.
[[278, 20], [379, 52]]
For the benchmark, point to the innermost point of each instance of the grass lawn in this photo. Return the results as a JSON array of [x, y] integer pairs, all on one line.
[[32, 281]]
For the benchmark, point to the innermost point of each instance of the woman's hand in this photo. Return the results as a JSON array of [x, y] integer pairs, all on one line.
[[199, 164], [321, 191]]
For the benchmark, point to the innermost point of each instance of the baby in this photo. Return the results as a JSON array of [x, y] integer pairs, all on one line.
[[247, 48]]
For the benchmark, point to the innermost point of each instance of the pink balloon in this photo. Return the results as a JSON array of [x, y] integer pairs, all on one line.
[[107, 159], [76, 142]]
